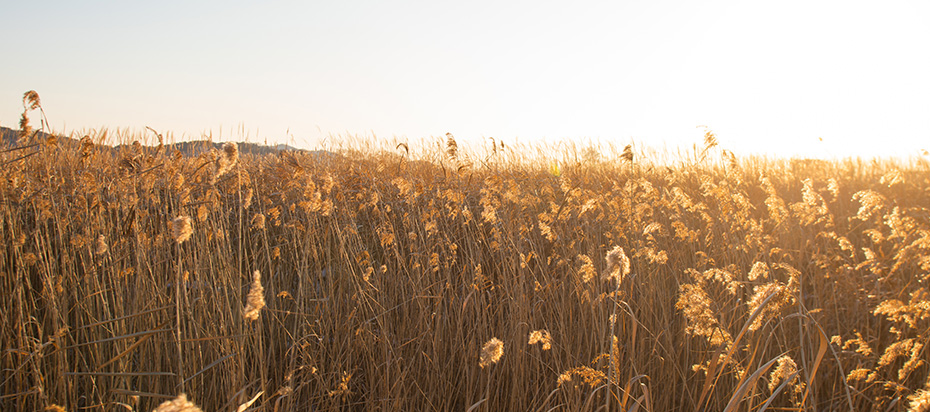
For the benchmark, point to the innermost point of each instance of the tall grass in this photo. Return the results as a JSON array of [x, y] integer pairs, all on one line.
[[439, 279]]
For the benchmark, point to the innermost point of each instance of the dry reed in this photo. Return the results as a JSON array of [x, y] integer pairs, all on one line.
[[384, 270]]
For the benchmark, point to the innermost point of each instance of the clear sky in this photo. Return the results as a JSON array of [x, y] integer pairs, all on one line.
[[768, 77]]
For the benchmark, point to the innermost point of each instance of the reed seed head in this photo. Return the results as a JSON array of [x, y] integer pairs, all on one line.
[[618, 264], [31, 100], [247, 198], [541, 336], [258, 221], [101, 247], [784, 369], [492, 352], [627, 153], [231, 152], [256, 298], [759, 271], [920, 401], [179, 404], [24, 129], [182, 229]]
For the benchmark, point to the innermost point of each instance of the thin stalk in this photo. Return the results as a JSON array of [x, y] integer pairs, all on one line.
[[177, 312]]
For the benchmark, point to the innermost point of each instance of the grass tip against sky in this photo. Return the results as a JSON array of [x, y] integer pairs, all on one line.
[[817, 79]]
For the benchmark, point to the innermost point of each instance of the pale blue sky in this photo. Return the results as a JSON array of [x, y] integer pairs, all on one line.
[[768, 78]]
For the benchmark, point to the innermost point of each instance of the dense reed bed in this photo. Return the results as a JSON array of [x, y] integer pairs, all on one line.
[[441, 279]]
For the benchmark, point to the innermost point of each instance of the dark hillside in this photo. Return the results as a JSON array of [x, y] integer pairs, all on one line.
[[9, 138]]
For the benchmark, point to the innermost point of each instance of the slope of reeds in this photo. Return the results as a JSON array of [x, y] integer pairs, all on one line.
[[450, 280]]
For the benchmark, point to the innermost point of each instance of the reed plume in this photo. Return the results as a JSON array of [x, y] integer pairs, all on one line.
[[179, 404], [258, 221], [30, 102], [255, 299], [541, 336], [491, 352], [225, 161], [618, 265], [182, 229], [920, 401]]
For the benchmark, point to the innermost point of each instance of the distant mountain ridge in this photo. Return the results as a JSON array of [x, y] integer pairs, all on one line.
[[10, 138], [196, 147]]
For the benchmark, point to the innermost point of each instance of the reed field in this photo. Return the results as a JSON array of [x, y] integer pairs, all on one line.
[[420, 276]]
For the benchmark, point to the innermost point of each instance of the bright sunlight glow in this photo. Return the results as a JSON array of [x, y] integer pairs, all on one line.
[[790, 78]]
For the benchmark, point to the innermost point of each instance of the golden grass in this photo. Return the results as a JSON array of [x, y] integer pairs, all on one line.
[[373, 279]]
